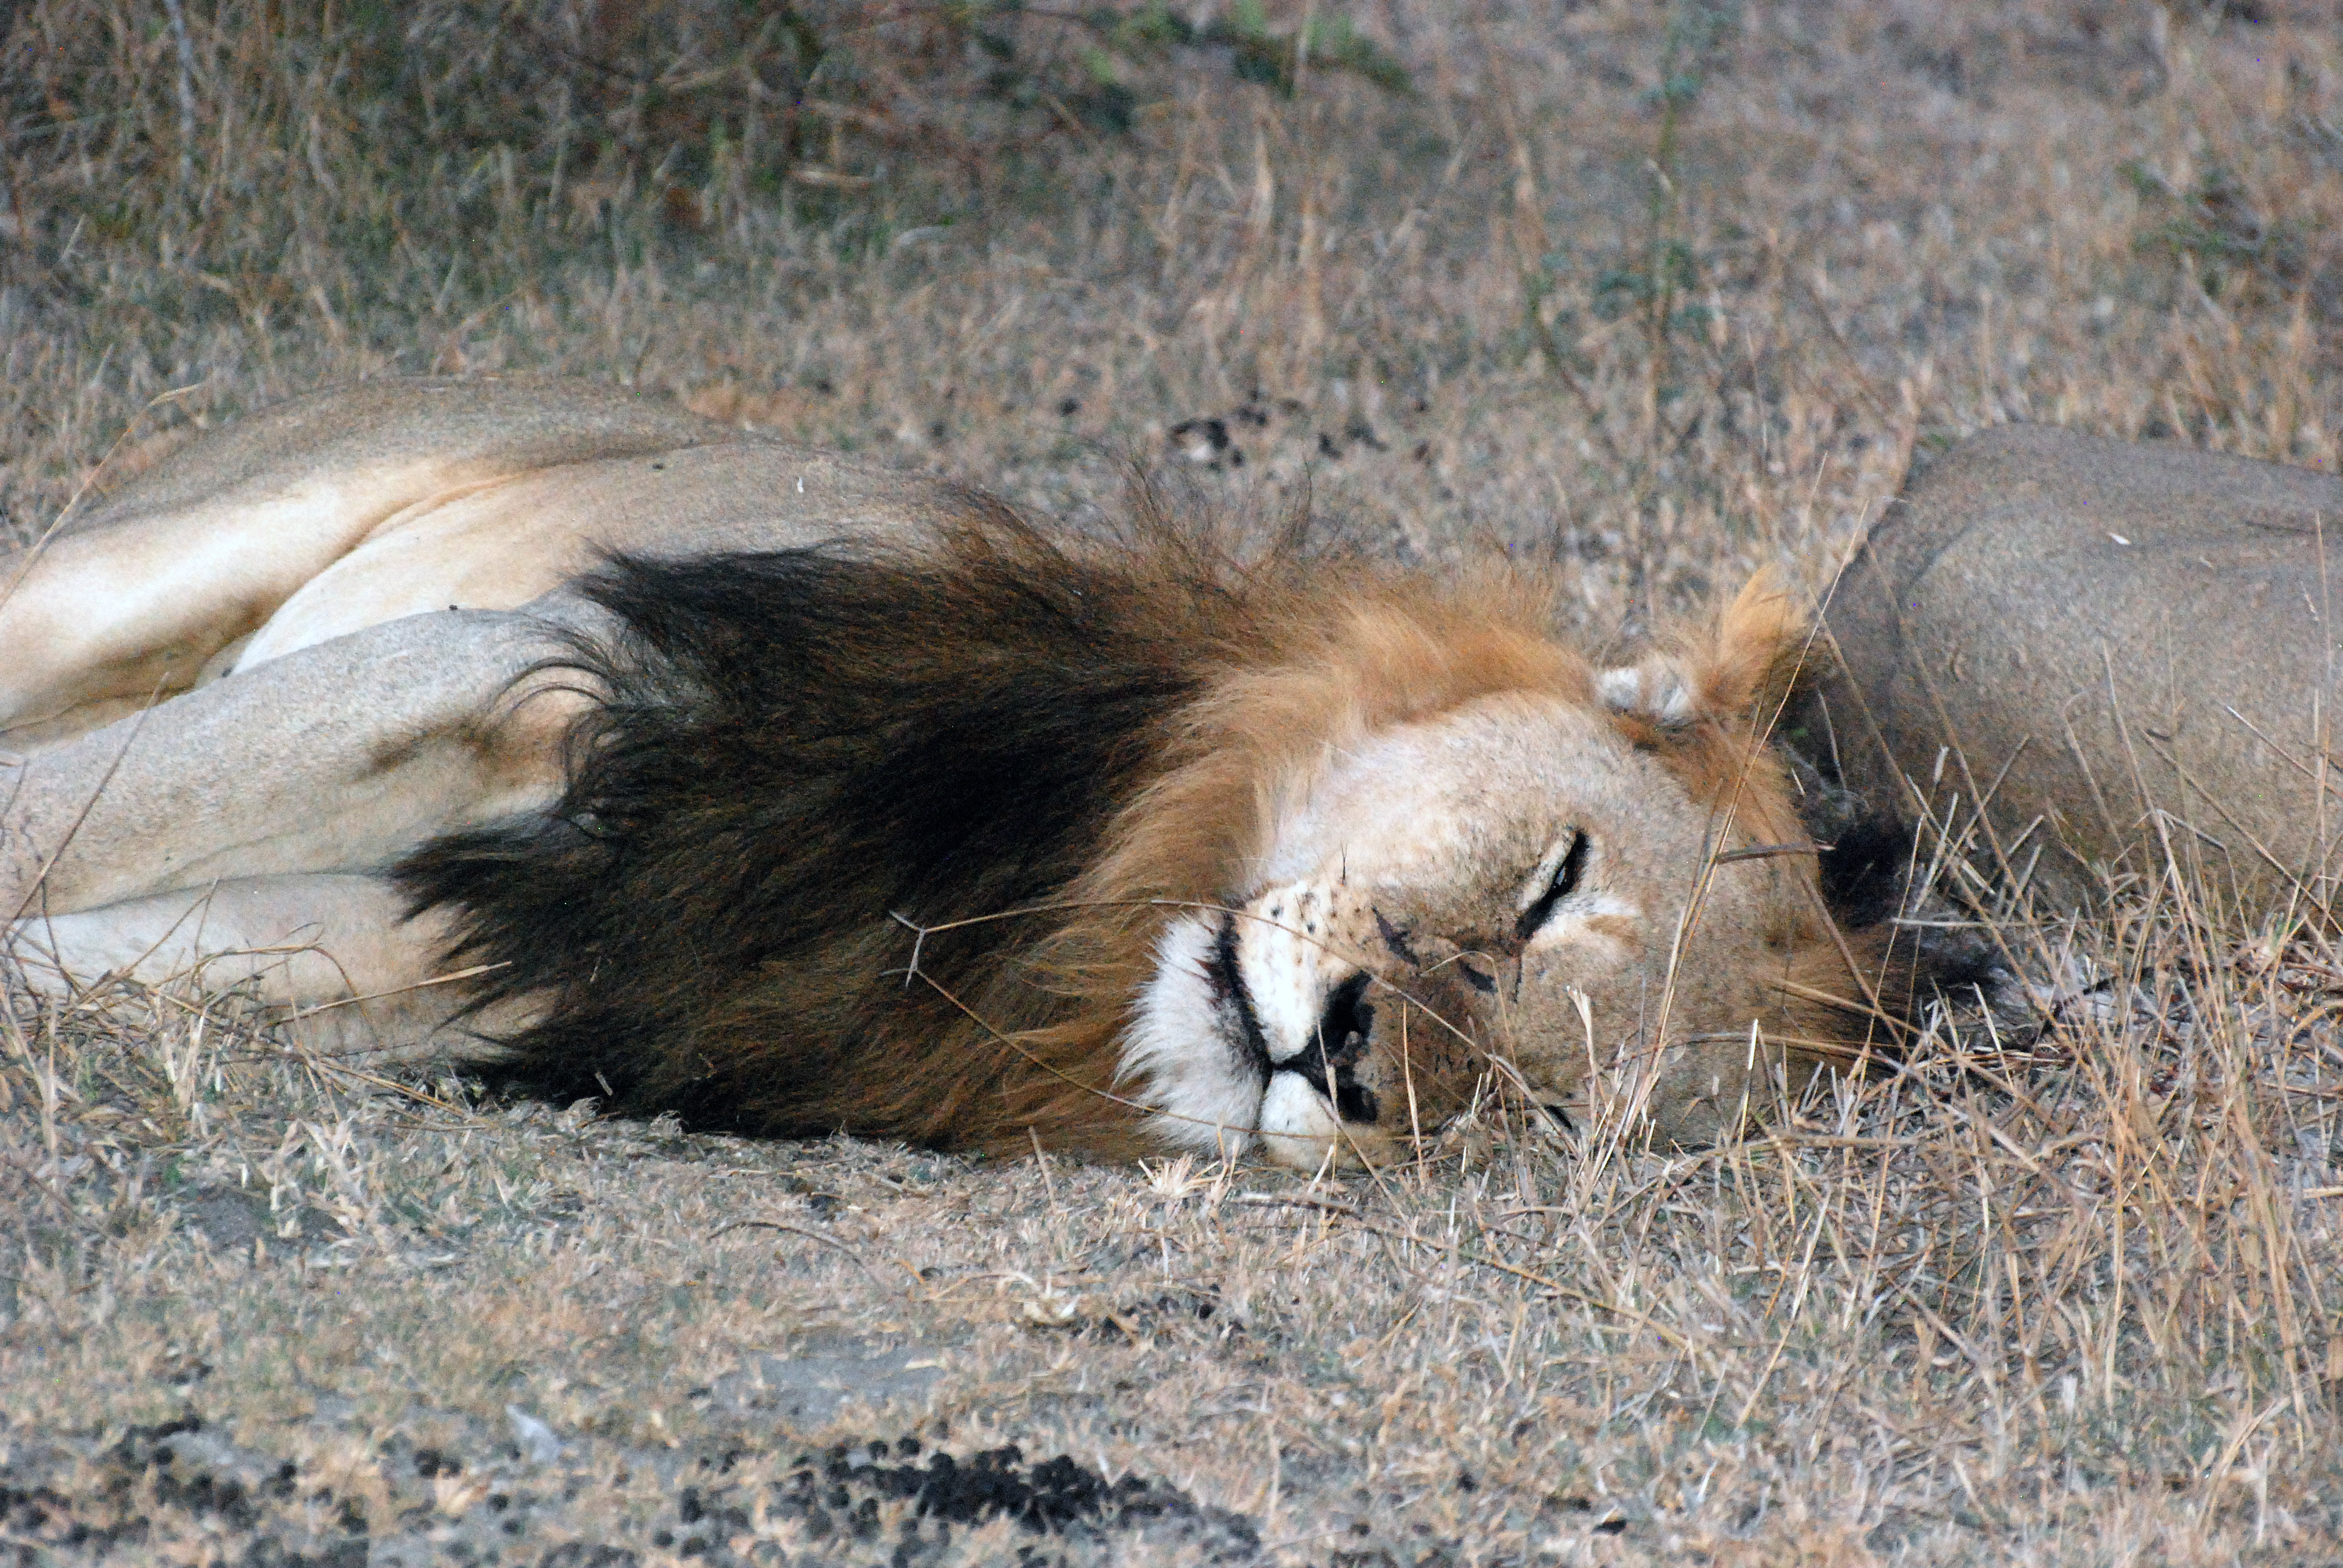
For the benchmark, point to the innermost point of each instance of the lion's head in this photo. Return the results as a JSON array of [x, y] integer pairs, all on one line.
[[1423, 833], [1134, 847]]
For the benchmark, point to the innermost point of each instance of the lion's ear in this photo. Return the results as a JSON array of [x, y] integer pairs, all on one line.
[[1760, 643], [1742, 666]]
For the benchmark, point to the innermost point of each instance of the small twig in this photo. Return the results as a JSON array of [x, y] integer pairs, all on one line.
[[830, 1241], [1280, 1201], [1041, 1161], [301, 1014], [1768, 851]]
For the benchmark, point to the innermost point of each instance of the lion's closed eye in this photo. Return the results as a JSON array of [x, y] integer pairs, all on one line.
[[1556, 878]]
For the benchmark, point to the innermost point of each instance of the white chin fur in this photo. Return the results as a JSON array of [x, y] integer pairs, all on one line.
[[1298, 1128], [1178, 1057]]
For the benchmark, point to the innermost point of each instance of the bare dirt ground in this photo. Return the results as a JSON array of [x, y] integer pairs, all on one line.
[[1660, 291]]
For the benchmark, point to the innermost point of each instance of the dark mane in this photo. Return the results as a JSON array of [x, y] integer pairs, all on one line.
[[796, 748]]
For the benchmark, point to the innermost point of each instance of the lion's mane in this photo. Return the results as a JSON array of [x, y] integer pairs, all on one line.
[[806, 766]]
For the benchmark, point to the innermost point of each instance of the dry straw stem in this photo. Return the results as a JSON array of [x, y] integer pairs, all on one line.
[[2075, 1301]]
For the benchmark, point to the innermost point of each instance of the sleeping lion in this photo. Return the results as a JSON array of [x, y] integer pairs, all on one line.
[[631, 756]]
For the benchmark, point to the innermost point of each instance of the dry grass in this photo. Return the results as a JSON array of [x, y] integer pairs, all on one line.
[[2073, 1304]]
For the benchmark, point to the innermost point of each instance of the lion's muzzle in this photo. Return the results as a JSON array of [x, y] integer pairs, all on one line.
[[1275, 1021]]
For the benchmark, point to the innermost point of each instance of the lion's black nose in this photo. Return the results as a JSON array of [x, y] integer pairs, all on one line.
[[1333, 1057], [1349, 1019]]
